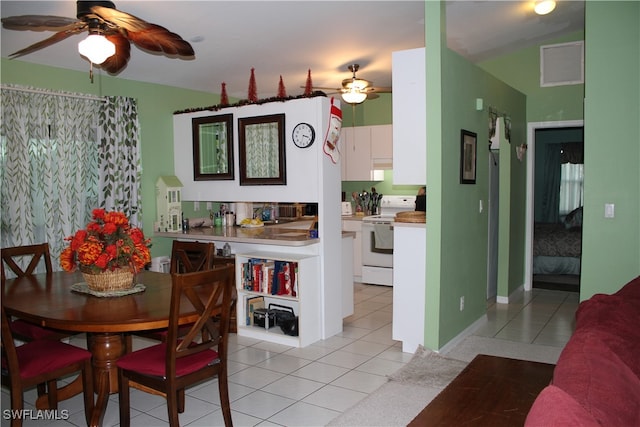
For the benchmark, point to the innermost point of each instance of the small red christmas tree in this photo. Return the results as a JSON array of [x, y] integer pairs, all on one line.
[[253, 89], [308, 88], [282, 92], [224, 99]]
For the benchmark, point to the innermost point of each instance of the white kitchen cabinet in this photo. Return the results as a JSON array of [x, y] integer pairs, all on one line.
[[365, 149], [355, 225], [306, 303], [357, 153], [409, 117], [382, 146]]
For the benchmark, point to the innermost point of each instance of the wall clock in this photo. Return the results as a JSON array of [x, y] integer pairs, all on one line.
[[303, 135]]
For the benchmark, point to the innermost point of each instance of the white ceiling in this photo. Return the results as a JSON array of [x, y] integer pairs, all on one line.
[[286, 38]]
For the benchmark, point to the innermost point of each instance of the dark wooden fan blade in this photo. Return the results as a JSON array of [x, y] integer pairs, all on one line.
[[120, 19], [159, 39], [118, 60], [39, 23], [144, 34], [59, 36]]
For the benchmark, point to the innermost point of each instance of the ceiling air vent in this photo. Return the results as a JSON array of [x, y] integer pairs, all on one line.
[[562, 64]]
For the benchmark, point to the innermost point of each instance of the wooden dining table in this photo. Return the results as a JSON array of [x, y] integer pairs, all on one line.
[[49, 301]]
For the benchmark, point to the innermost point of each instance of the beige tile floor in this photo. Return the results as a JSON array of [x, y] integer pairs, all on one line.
[[275, 385]]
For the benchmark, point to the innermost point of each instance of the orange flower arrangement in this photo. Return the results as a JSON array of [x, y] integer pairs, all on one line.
[[107, 243]]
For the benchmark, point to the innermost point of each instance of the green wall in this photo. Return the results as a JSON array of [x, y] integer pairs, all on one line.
[[385, 187], [521, 70], [371, 112], [156, 104], [457, 230], [611, 247]]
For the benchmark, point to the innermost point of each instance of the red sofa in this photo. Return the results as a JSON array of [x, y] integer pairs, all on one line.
[[596, 381]]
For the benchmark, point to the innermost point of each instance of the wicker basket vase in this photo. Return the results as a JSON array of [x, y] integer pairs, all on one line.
[[117, 280]]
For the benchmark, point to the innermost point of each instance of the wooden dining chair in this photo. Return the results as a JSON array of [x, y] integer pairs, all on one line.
[[169, 367], [186, 257], [31, 255], [42, 361], [14, 258]]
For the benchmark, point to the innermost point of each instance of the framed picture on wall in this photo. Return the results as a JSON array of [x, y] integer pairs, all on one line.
[[213, 147], [468, 151], [262, 151]]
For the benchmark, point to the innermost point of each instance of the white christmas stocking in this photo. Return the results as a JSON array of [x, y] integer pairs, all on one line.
[[330, 145]]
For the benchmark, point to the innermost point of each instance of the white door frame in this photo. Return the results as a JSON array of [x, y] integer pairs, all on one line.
[[531, 150]]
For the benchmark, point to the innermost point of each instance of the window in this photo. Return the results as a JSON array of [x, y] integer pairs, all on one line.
[[571, 187]]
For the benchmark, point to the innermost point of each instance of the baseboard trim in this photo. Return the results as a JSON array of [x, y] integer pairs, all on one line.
[[462, 335], [514, 295]]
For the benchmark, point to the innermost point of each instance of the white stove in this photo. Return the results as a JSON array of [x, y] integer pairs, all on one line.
[[390, 206], [377, 239]]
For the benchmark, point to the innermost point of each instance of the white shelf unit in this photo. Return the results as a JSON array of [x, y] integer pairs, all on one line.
[[306, 304]]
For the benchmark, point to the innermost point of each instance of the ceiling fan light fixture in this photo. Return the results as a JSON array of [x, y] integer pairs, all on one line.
[[354, 97], [357, 84], [96, 48], [543, 7]]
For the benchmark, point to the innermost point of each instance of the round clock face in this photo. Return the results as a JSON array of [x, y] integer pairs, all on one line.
[[303, 135]]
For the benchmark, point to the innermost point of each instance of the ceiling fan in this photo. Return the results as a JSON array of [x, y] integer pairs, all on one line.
[[111, 29], [355, 90]]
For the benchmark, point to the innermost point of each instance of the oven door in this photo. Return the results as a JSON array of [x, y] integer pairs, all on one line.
[[377, 244]]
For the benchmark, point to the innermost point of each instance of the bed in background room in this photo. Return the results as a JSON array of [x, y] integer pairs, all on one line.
[[557, 247]]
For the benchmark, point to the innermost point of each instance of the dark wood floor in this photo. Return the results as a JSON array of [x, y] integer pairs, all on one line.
[[490, 391]]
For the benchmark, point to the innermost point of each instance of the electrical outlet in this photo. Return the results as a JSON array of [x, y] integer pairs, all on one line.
[[461, 303]]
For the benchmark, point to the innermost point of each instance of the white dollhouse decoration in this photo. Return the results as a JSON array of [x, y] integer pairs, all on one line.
[[169, 204]]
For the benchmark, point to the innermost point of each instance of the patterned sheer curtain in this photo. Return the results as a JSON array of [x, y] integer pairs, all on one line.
[[571, 177], [53, 147], [119, 158]]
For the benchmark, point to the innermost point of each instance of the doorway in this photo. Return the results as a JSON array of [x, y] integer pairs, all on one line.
[[530, 210]]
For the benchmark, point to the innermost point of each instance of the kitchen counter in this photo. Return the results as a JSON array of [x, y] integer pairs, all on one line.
[[266, 235], [409, 224], [352, 217]]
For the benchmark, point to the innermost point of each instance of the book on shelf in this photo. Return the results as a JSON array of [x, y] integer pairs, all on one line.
[[270, 277], [253, 302], [267, 277]]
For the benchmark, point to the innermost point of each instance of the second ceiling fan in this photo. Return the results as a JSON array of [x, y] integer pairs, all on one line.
[[355, 90]]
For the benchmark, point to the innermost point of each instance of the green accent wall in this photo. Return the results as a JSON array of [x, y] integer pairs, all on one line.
[[385, 187], [521, 70], [457, 254], [371, 112], [611, 247]]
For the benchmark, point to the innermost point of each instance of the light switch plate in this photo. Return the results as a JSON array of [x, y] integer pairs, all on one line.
[[609, 210]]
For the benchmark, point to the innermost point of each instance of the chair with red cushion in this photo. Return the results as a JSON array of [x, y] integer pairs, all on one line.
[[14, 258], [42, 361], [169, 367]]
